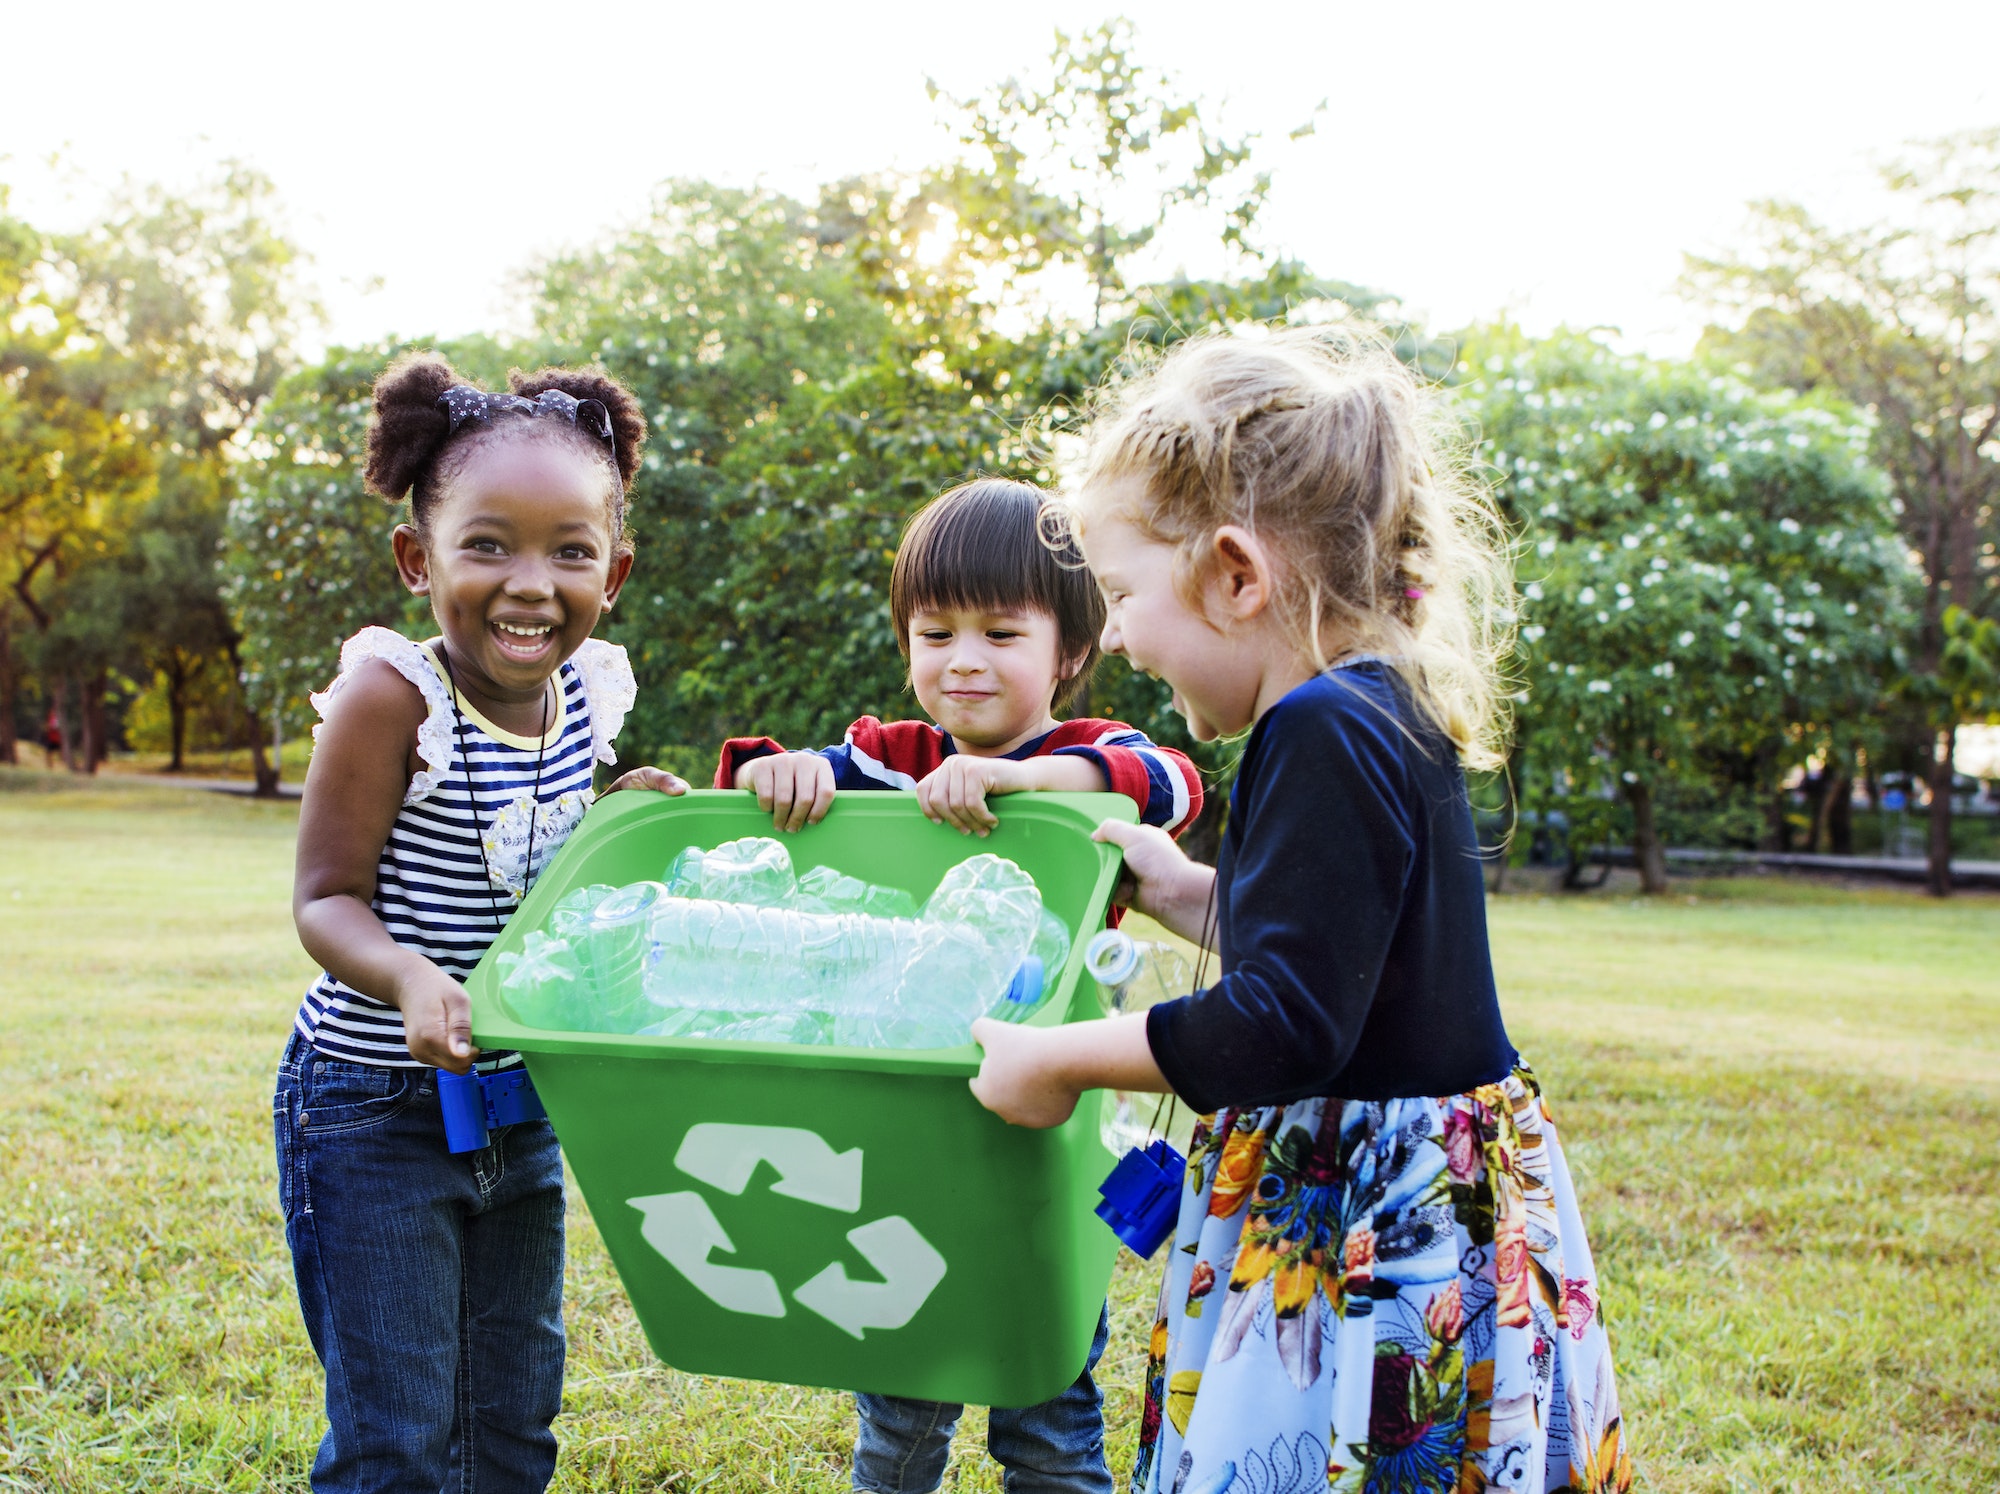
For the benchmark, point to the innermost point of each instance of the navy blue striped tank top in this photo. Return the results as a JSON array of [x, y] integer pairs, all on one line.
[[434, 890]]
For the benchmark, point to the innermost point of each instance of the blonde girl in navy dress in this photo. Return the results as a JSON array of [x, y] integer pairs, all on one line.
[[1379, 1279]]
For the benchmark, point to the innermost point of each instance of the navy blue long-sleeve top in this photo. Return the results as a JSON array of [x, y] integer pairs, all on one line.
[[1351, 914]]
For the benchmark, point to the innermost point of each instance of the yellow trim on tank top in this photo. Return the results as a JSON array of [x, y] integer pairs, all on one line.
[[511, 739]]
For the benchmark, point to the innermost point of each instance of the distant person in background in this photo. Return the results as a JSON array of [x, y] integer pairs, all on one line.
[[447, 773], [52, 738]]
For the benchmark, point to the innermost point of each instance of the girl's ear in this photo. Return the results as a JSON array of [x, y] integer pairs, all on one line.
[[614, 582], [412, 563], [1241, 574]]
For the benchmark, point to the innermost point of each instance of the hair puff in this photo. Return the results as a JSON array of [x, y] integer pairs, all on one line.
[[628, 422], [409, 429]]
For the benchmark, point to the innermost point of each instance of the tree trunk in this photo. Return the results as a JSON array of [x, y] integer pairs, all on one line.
[[8, 754], [95, 748], [1646, 847], [177, 682], [62, 724], [1833, 819], [261, 765], [1824, 791], [1840, 820], [1939, 850]]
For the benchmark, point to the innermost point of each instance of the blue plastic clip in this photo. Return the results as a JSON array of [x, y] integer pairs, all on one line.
[[474, 1104], [1142, 1196], [1025, 989]]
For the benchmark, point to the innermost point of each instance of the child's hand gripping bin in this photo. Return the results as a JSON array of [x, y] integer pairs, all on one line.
[[823, 1215]]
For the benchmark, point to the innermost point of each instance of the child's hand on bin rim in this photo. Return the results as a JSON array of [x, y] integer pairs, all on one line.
[[1159, 879], [1033, 1076], [956, 792], [437, 1019], [1019, 1079], [794, 788], [658, 779]]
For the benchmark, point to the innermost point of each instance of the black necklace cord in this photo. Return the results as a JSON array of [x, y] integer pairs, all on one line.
[[1201, 955], [472, 796]]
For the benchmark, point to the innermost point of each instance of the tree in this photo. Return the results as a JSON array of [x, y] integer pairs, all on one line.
[[188, 307], [73, 468], [1903, 318], [175, 624], [305, 548], [802, 404], [1710, 572], [1086, 164], [197, 299]]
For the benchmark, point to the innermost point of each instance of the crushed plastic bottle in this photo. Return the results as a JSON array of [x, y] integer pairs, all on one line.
[[729, 958], [991, 894], [824, 890], [539, 981], [569, 916], [756, 870], [1051, 947], [611, 948], [827, 958], [1132, 975]]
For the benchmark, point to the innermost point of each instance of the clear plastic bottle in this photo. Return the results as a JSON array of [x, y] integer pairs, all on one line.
[[824, 890], [539, 982], [1131, 976], [738, 962], [756, 871], [1051, 947], [567, 918], [611, 947], [829, 958]]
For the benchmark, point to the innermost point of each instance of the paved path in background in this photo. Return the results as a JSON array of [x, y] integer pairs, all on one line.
[[1903, 868], [242, 787]]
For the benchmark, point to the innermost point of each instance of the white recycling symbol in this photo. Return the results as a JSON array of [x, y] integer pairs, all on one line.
[[684, 1230]]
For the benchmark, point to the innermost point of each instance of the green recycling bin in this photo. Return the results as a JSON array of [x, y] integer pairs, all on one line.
[[844, 1217]]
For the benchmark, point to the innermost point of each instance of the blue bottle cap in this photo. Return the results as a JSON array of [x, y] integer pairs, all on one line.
[[1025, 989]]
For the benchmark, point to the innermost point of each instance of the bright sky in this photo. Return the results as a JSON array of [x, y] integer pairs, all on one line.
[[1552, 160]]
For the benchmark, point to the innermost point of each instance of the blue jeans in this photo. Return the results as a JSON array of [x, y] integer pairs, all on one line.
[[1054, 1448], [431, 1284]]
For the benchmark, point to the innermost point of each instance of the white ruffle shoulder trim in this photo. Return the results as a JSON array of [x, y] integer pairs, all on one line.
[[434, 734], [609, 689]]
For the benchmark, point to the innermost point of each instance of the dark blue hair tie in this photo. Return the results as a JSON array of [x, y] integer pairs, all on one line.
[[461, 403]]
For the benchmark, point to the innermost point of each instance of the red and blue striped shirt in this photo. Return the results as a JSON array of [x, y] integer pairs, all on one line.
[[901, 754]]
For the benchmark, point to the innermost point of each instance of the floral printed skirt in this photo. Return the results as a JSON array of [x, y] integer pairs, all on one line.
[[1388, 1296]]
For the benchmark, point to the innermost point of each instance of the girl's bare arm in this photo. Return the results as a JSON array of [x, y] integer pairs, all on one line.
[[1033, 1076], [354, 790]]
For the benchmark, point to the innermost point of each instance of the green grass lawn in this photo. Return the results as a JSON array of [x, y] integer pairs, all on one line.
[[1782, 1102]]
